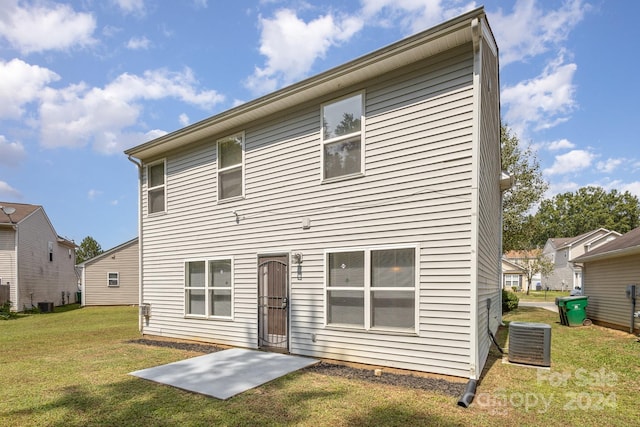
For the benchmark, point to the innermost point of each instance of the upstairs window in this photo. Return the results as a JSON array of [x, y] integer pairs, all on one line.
[[342, 137], [156, 179], [230, 167]]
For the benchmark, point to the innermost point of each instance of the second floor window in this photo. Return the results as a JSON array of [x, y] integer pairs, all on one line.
[[156, 187], [342, 137], [230, 166]]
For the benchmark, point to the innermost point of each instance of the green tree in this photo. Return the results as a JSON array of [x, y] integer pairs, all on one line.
[[589, 208], [88, 249], [518, 222]]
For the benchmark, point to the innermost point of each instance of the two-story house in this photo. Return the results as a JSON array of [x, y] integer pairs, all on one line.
[[35, 262], [355, 215], [566, 274]]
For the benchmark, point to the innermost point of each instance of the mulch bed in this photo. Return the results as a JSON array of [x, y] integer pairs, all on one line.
[[326, 368]]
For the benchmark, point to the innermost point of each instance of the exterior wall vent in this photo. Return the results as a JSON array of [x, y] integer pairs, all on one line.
[[530, 343]]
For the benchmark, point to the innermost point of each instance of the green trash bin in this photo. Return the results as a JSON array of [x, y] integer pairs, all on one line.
[[575, 309], [79, 297], [562, 311]]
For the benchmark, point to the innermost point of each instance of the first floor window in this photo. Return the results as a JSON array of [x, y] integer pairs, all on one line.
[[372, 288], [113, 279], [208, 288], [511, 280]]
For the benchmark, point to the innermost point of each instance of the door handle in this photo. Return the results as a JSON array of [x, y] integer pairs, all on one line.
[[285, 302]]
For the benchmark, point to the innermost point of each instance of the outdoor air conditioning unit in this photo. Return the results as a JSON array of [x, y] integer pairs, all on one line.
[[530, 343]]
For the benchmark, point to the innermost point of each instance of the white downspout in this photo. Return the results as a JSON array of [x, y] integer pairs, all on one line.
[[140, 294]]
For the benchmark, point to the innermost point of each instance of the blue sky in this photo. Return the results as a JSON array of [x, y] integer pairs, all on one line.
[[82, 81]]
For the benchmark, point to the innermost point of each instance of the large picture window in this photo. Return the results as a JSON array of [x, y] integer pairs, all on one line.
[[156, 179], [208, 288], [342, 137], [372, 288], [230, 166]]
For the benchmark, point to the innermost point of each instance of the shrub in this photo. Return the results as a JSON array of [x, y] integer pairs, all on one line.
[[509, 301], [5, 311]]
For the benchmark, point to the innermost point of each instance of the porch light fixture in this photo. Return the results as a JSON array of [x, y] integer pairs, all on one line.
[[8, 211]]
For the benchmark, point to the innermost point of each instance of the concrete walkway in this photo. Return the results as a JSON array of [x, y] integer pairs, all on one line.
[[224, 374]]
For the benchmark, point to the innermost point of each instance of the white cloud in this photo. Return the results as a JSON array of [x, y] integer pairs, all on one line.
[[11, 153], [183, 119], [530, 31], [560, 187], [609, 165], [92, 194], [77, 115], [561, 144], [571, 162], [291, 46], [543, 101], [130, 6], [31, 79], [8, 192], [631, 187], [138, 43], [43, 26], [412, 15]]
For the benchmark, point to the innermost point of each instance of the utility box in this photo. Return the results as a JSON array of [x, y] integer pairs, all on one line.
[[45, 307]]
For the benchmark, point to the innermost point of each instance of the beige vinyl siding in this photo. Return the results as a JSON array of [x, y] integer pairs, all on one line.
[[41, 280], [489, 206], [123, 261], [417, 190], [605, 283]]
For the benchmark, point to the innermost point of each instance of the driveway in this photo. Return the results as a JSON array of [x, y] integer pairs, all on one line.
[[547, 305]]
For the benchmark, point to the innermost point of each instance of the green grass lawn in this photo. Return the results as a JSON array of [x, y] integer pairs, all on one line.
[[71, 369], [538, 296]]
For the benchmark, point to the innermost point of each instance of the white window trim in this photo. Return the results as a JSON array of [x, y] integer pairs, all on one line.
[[207, 287], [361, 133], [163, 186], [220, 170], [117, 279], [367, 290]]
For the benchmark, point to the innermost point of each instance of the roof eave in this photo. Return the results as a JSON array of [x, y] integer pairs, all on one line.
[[609, 254], [452, 33]]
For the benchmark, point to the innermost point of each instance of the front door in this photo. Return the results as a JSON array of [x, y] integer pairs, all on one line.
[[273, 302]]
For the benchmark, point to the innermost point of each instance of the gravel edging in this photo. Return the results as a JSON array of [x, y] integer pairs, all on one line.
[[440, 385]]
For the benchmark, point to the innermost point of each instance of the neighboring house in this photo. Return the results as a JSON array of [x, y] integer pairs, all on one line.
[[355, 215], [520, 259], [513, 276], [112, 278], [608, 271], [36, 263], [566, 275]]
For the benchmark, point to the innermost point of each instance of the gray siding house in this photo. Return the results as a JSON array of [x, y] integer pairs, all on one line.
[[35, 262], [355, 215], [566, 275], [607, 272], [113, 277]]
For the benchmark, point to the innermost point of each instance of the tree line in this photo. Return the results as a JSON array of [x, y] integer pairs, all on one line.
[[529, 219]]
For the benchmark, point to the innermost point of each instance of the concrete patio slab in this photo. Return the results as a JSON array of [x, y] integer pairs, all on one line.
[[224, 374]]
